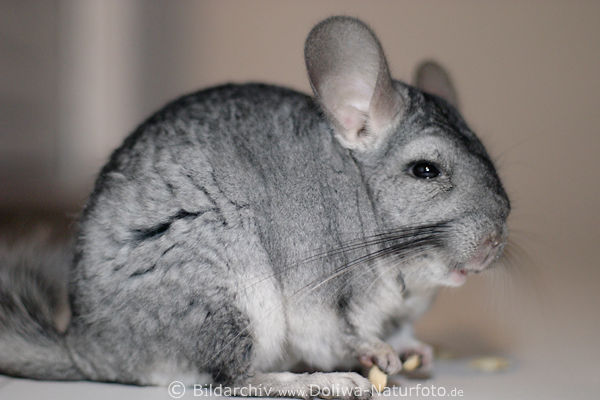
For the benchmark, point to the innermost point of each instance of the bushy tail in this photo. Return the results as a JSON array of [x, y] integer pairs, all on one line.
[[34, 313]]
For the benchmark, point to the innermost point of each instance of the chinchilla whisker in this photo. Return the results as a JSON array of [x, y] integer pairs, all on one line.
[[377, 254], [358, 246], [499, 158], [402, 257], [345, 268], [514, 255], [398, 234], [402, 250], [416, 235]]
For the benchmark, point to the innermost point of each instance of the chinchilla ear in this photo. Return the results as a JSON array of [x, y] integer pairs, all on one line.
[[350, 78], [432, 78]]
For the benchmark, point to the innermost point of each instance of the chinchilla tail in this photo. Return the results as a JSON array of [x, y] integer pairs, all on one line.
[[34, 313]]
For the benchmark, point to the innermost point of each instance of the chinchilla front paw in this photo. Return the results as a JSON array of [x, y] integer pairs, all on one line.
[[423, 364], [383, 355]]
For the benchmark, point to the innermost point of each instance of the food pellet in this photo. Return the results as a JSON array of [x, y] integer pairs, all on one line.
[[378, 378], [411, 363], [490, 364]]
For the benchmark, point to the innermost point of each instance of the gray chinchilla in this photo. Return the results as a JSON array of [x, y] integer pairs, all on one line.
[[246, 229]]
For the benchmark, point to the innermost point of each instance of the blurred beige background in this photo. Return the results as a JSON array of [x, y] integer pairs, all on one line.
[[77, 75]]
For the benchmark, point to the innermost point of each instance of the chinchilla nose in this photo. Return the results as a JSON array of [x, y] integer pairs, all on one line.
[[497, 237], [494, 243], [489, 249], [493, 240]]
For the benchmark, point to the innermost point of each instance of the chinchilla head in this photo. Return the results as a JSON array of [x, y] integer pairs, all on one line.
[[427, 173]]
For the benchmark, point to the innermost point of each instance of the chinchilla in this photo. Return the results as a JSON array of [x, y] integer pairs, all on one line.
[[246, 229]]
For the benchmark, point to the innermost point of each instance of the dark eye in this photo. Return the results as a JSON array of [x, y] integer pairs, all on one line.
[[424, 170]]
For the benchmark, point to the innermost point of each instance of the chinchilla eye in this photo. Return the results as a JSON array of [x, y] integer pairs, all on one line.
[[425, 170]]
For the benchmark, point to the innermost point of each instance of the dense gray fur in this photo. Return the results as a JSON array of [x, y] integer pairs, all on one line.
[[223, 239], [33, 311]]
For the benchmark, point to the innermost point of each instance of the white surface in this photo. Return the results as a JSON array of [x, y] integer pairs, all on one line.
[[522, 380]]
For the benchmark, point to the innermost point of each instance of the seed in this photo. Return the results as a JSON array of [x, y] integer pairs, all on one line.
[[411, 363], [378, 378], [490, 364]]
